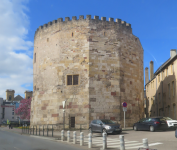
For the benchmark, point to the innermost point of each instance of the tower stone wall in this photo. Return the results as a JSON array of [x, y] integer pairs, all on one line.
[[108, 59]]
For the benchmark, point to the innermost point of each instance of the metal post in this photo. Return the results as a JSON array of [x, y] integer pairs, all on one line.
[[68, 136], [52, 130], [63, 119], [33, 130], [39, 130], [104, 141], [81, 139], [36, 130], [89, 140], [122, 144], [47, 130], [62, 135], [124, 119], [145, 143], [43, 130], [74, 137]]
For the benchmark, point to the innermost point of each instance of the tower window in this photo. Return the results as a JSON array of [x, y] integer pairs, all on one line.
[[72, 79], [10, 98], [28, 97]]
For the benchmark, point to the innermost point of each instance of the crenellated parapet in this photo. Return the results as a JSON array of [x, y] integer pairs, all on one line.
[[96, 20]]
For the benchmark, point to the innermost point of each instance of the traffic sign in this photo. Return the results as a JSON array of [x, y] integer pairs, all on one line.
[[124, 104], [124, 108]]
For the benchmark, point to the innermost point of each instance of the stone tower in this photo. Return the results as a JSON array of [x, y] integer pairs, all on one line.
[[10, 94], [28, 94], [94, 65]]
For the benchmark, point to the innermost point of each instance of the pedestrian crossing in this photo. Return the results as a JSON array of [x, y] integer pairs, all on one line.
[[115, 143]]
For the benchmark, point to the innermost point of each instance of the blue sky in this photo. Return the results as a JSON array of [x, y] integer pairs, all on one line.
[[153, 21]]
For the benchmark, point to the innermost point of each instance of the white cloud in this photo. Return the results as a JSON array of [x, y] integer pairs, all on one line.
[[15, 67]]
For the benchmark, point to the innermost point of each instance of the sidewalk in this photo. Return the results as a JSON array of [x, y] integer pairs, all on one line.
[[56, 134]]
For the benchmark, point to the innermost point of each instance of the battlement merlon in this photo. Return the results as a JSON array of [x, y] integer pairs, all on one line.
[[118, 22]]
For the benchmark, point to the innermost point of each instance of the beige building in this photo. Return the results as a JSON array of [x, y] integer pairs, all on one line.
[[161, 89], [94, 65]]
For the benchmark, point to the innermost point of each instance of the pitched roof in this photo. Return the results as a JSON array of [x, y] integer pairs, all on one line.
[[18, 98]]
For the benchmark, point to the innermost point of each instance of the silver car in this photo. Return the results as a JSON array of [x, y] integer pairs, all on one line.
[[104, 126]]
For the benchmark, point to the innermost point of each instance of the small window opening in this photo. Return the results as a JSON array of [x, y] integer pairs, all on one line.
[[47, 39], [72, 34], [28, 97], [10, 97], [72, 79]]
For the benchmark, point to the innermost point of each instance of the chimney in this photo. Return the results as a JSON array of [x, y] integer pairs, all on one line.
[[172, 53], [146, 75], [151, 69]]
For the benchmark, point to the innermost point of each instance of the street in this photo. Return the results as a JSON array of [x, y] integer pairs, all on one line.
[[14, 141], [160, 140]]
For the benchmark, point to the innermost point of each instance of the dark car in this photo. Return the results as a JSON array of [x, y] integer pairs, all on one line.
[[151, 124], [104, 126]]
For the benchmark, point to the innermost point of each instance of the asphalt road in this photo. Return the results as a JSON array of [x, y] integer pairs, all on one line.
[[14, 141]]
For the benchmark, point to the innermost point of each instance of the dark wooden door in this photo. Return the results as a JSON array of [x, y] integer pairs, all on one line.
[[72, 122]]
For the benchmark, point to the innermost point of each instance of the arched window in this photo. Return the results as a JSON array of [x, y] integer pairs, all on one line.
[[10, 97]]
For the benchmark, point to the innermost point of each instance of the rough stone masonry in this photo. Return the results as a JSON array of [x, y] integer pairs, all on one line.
[[107, 61]]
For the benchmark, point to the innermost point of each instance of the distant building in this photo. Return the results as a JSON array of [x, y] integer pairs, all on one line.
[[161, 89], [10, 104]]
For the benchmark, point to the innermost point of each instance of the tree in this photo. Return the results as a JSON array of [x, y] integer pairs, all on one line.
[[24, 109]]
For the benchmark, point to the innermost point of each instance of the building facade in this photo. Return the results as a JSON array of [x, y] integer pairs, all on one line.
[[94, 65], [9, 105], [161, 89]]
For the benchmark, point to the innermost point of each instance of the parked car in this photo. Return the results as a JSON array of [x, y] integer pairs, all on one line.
[[152, 124], [171, 123], [104, 126]]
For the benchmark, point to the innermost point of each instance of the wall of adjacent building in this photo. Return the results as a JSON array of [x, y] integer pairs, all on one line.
[[161, 100]]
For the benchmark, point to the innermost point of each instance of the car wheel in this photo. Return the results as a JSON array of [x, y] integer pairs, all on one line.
[[135, 128], [90, 130], [104, 131], [152, 129]]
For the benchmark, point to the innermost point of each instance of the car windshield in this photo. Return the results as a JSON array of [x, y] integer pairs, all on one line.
[[167, 118], [108, 122]]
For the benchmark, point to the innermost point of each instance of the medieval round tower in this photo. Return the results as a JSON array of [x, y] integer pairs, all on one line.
[[93, 65]]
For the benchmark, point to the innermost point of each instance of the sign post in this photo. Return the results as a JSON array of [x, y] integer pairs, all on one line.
[[124, 104]]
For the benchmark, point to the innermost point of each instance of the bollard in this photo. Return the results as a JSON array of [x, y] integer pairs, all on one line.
[[74, 137], [81, 139], [68, 136], [104, 141], [62, 135], [89, 140], [145, 143], [122, 144]]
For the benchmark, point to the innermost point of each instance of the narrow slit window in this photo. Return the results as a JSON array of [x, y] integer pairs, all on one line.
[[34, 57], [72, 34], [47, 39]]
